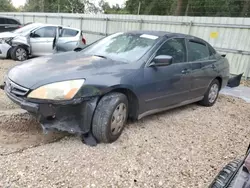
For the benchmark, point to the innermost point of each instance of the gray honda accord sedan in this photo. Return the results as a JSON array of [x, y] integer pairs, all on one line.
[[92, 92]]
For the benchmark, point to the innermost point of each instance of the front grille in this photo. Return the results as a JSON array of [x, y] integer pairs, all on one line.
[[15, 88]]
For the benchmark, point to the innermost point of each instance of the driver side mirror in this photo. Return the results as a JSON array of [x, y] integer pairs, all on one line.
[[162, 60], [32, 34]]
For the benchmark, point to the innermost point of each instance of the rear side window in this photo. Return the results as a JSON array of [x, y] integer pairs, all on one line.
[[69, 33], [12, 22], [197, 51], [45, 32], [2, 21]]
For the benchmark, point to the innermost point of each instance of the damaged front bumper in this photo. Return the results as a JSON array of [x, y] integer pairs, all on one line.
[[4, 48], [73, 116]]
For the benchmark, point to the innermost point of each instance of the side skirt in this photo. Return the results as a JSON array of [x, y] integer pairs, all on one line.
[[150, 112]]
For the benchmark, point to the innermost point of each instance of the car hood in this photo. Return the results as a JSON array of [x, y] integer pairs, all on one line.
[[65, 66], [8, 35]]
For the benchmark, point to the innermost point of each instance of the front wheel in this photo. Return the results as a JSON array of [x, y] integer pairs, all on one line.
[[110, 117], [19, 53], [212, 93]]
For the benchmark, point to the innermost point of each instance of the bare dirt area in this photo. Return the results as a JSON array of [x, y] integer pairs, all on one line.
[[185, 147]]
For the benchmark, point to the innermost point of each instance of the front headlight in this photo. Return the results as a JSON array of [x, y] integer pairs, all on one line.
[[6, 40], [65, 90]]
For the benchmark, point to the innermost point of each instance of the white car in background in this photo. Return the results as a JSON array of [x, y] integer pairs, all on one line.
[[38, 39]]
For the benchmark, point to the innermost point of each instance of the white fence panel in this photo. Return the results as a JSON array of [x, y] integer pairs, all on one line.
[[227, 35]]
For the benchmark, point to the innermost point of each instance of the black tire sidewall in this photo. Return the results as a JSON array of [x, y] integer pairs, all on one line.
[[103, 116], [112, 137], [206, 101], [13, 53]]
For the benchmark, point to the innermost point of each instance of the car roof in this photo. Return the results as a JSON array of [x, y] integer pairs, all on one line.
[[164, 34], [43, 24], [8, 17]]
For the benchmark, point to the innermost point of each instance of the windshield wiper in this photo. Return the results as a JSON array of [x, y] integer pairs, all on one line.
[[102, 56]]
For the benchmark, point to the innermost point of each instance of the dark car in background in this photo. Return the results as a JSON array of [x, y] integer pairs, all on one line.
[[9, 24], [235, 174], [94, 91]]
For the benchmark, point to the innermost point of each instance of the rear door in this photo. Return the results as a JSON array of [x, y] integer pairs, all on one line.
[[41, 41], [11, 24], [203, 66], [69, 39]]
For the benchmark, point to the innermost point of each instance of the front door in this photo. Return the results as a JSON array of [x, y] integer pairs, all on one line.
[[41, 41], [169, 85]]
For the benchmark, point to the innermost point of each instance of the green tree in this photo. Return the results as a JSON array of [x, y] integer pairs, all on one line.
[[232, 8], [115, 9], [6, 6], [67, 6]]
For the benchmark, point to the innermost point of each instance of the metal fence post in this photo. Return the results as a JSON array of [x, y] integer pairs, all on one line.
[[61, 20], [140, 24], [106, 26], [247, 71], [190, 27], [46, 19], [23, 19], [33, 18], [81, 22]]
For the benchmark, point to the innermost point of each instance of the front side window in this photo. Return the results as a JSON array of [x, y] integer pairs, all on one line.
[[197, 51], [45, 32], [175, 48], [127, 47]]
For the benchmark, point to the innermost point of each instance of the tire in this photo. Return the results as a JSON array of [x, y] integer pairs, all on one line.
[[224, 178], [22, 56], [215, 88], [111, 108]]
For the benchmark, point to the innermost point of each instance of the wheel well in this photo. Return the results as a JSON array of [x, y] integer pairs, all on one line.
[[132, 101], [77, 49], [220, 80]]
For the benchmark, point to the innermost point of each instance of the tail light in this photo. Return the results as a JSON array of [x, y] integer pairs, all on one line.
[[83, 40]]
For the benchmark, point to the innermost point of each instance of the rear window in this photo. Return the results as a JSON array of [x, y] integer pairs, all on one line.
[[69, 33], [12, 22]]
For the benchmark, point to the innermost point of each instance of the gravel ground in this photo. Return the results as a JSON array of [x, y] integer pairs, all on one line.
[[185, 147]]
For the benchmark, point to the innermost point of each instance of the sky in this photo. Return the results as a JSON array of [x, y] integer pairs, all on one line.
[[18, 3]]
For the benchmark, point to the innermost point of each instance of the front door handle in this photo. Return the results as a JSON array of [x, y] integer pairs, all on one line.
[[185, 71]]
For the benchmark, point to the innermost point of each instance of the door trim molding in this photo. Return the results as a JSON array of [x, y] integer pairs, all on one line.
[[166, 96], [154, 111]]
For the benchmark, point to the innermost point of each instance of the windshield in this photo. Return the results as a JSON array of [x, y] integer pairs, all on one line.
[[126, 47], [26, 28]]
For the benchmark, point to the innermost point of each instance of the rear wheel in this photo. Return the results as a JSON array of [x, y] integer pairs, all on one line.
[[225, 175], [110, 117], [212, 93], [19, 53]]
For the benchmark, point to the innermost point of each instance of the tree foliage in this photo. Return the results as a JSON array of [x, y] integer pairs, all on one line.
[[231, 8], [6, 6], [67, 6]]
